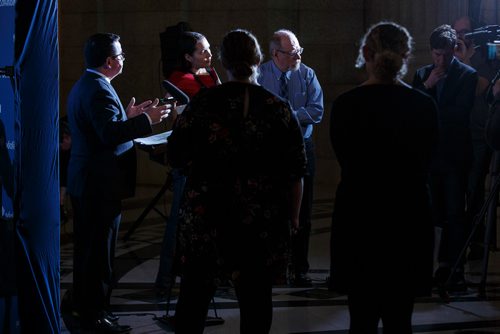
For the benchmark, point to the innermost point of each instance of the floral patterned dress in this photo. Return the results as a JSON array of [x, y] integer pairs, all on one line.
[[240, 147]]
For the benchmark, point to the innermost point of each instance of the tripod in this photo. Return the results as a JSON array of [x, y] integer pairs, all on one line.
[[168, 269], [149, 207], [489, 207], [156, 153], [487, 210]]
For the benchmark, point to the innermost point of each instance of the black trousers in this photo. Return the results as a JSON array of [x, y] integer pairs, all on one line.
[[300, 240], [96, 222], [253, 286], [448, 192], [367, 308]]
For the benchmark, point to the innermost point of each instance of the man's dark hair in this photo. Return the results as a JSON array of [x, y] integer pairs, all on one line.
[[443, 37], [99, 47]]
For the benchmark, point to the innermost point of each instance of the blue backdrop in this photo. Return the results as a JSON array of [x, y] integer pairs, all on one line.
[[8, 299], [29, 109], [7, 142]]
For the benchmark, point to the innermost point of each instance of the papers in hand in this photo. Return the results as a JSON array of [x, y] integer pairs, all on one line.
[[158, 139]]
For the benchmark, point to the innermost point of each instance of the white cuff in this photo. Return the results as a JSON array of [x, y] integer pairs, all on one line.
[[149, 118]]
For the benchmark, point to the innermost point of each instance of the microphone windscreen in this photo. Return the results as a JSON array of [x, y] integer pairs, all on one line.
[[176, 93]]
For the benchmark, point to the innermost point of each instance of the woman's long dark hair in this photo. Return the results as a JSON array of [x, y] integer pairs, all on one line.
[[187, 45]]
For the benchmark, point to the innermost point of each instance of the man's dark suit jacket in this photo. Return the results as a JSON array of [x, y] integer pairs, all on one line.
[[455, 102], [103, 160]]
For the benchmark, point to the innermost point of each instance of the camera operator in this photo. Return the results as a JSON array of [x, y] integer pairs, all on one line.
[[472, 50], [452, 84]]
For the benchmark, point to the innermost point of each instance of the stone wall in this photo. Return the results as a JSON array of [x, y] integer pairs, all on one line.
[[329, 31]]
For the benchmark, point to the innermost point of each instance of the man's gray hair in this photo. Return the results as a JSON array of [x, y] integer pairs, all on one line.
[[278, 35]]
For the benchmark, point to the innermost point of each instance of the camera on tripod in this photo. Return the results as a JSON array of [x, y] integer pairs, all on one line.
[[487, 37]]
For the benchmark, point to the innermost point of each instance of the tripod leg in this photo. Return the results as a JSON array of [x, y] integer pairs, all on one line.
[[215, 320], [150, 206], [491, 223], [215, 307], [169, 296], [490, 202], [477, 220], [484, 274], [492, 211]]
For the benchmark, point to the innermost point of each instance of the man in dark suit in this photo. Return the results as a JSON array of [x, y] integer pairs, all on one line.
[[101, 173], [452, 84]]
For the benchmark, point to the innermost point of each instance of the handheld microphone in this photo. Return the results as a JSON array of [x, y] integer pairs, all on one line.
[[165, 100], [176, 93]]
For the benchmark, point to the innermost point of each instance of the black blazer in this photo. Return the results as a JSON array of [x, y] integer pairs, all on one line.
[[383, 137], [454, 107], [103, 161]]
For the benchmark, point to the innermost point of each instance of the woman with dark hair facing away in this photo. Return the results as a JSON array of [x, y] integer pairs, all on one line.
[[193, 73], [242, 150], [383, 133]]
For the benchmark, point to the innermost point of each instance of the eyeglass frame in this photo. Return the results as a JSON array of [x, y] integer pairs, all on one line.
[[294, 53], [122, 55]]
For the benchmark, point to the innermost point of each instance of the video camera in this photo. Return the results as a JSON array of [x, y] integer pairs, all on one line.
[[487, 37]]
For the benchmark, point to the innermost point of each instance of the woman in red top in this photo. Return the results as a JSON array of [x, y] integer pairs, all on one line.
[[194, 70], [192, 73]]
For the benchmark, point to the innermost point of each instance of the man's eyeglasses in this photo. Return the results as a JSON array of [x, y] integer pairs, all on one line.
[[293, 53], [120, 56]]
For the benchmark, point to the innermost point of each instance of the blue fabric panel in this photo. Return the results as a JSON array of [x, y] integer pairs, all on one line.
[[37, 196], [7, 142], [8, 301], [9, 316]]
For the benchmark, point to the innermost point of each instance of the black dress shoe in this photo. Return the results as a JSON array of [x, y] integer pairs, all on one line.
[[457, 282], [441, 276], [162, 292], [104, 325], [111, 316], [302, 281]]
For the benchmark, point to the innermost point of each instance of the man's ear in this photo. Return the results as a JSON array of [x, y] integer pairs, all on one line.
[[107, 64], [188, 57]]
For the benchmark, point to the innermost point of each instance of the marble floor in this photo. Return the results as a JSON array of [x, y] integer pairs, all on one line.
[[296, 310]]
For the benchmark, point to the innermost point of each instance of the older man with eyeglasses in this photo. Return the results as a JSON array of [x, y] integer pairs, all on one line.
[[286, 76]]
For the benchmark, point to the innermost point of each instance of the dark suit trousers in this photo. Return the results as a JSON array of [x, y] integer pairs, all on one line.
[[448, 191], [300, 241], [96, 223]]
